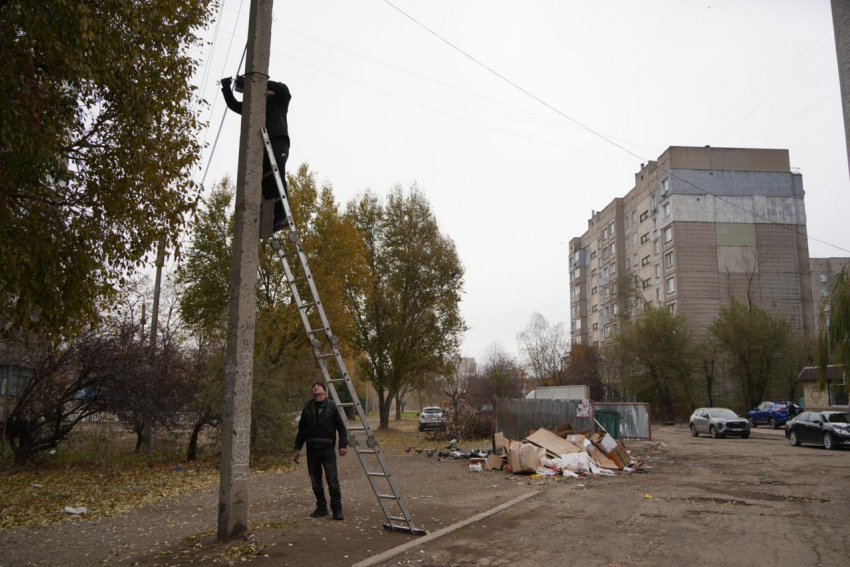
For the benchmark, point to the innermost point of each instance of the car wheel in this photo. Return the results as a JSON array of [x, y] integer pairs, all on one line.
[[420, 429], [745, 436], [772, 423], [753, 424], [713, 431], [795, 441], [828, 441], [694, 432]]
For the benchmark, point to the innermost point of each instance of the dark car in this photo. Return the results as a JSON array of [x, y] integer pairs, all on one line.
[[828, 428], [772, 414], [718, 422]]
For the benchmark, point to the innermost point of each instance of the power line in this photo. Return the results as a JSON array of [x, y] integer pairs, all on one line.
[[772, 128], [773, 92], [220, 124], [426, 78], [755, 92], [603, 137], [208, 60]]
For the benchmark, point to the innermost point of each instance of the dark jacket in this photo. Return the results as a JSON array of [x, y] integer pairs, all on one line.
[[319, 432], [277, 105]]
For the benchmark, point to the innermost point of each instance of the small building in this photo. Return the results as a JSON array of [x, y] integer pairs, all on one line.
[[833, 397]]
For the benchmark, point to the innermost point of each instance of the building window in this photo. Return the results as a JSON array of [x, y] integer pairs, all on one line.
[[658, 294], [635, 261], [668, 260], [613, 288], [595, 326], [607, 293], [605, 272], [644, 238], [604, 233], [614, 268], [628, 263], [626, 222], [646, 283], [671, 307], [593, 272], [823, 278], [666, 208], [593, 292], [652, 203], [627, 244], [671, 285], [644, 215], [611, 228], [596, 343], [592, 255], [644, 261], [634, 217], [655, 246], [657, 270], [634, 239], [13, 379], [595, 308], [615, 309], [668, 234], [613, 247], [665, 186]]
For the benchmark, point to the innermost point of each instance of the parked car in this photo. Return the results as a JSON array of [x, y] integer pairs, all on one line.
[[829, 428], [431, 418], [772, 414], [719, 422]]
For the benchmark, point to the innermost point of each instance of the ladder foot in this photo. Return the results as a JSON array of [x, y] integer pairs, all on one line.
[[405, 529]]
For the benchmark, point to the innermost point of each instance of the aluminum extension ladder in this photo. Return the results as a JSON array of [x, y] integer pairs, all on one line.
[[401, 520]]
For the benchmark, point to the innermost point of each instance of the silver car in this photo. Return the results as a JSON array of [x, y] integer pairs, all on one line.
[[719, 422], [431, 418]]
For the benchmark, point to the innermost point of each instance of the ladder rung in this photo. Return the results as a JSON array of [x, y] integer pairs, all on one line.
[[297, 280], [356, 427], [367, 451], [345, 405], [326, 355], [307, 305], [387, 496], [398, 518], [375, 474], [336, 380]]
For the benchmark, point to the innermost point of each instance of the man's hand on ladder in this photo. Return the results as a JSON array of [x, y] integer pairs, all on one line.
[[342, 451]]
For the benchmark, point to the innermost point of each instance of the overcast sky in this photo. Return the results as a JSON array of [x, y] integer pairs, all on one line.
[[378, 100]]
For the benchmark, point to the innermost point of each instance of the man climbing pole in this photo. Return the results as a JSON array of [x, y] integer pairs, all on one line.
[[277, 105]]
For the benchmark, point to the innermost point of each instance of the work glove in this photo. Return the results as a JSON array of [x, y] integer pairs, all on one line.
[[225, 82]]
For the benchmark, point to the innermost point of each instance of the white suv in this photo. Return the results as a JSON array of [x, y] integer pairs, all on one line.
[[431, 417]]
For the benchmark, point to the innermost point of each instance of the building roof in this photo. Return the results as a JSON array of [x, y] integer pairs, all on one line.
[[810, 373]]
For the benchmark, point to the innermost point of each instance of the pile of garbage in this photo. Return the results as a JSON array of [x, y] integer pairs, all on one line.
[[560, 452]]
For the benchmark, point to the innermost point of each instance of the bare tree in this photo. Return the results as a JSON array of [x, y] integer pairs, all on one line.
[[545, 348], [502, 372]]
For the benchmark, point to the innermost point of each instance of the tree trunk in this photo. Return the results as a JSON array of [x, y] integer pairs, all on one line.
[[385, 400], [398, 406], [192, 452]]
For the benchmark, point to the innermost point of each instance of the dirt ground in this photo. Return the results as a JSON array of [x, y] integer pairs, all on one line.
[[713, 502]]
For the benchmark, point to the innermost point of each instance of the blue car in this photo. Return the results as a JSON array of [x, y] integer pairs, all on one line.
[[772, 414]]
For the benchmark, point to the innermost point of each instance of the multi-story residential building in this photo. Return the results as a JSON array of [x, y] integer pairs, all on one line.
[[823, 272], [699, 227]]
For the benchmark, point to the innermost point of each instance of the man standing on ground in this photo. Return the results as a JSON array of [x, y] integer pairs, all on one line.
[[277, 106], [320, 421]]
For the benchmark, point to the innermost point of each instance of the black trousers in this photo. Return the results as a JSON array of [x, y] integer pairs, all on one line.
[[280, 148], [324, 459]]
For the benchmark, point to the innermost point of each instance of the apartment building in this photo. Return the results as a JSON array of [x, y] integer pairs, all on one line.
[[823, 272], [699, 227]]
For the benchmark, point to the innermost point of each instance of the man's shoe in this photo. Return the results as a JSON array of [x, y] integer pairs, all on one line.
[[319, 513], [338, 515]]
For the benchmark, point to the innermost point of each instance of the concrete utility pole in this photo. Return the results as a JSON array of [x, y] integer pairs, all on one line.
[[147, 432], [841, 27], [236, 426]]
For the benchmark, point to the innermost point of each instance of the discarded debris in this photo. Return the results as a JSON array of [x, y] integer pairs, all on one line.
[[75, 511]]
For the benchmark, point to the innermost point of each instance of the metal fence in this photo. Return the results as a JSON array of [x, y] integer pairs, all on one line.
[[635, 418], [515, 418]]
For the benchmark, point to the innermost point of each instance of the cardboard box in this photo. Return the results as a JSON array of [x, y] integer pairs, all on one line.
[[495, 462], [523, 458], [552, 443], [613, 449], [499, 443]]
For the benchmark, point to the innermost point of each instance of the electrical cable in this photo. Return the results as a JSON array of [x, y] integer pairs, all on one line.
[[224, 114], [773, 92], [595, 133], [772, 128], [430, 79], [755, 92], [210, 53]]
